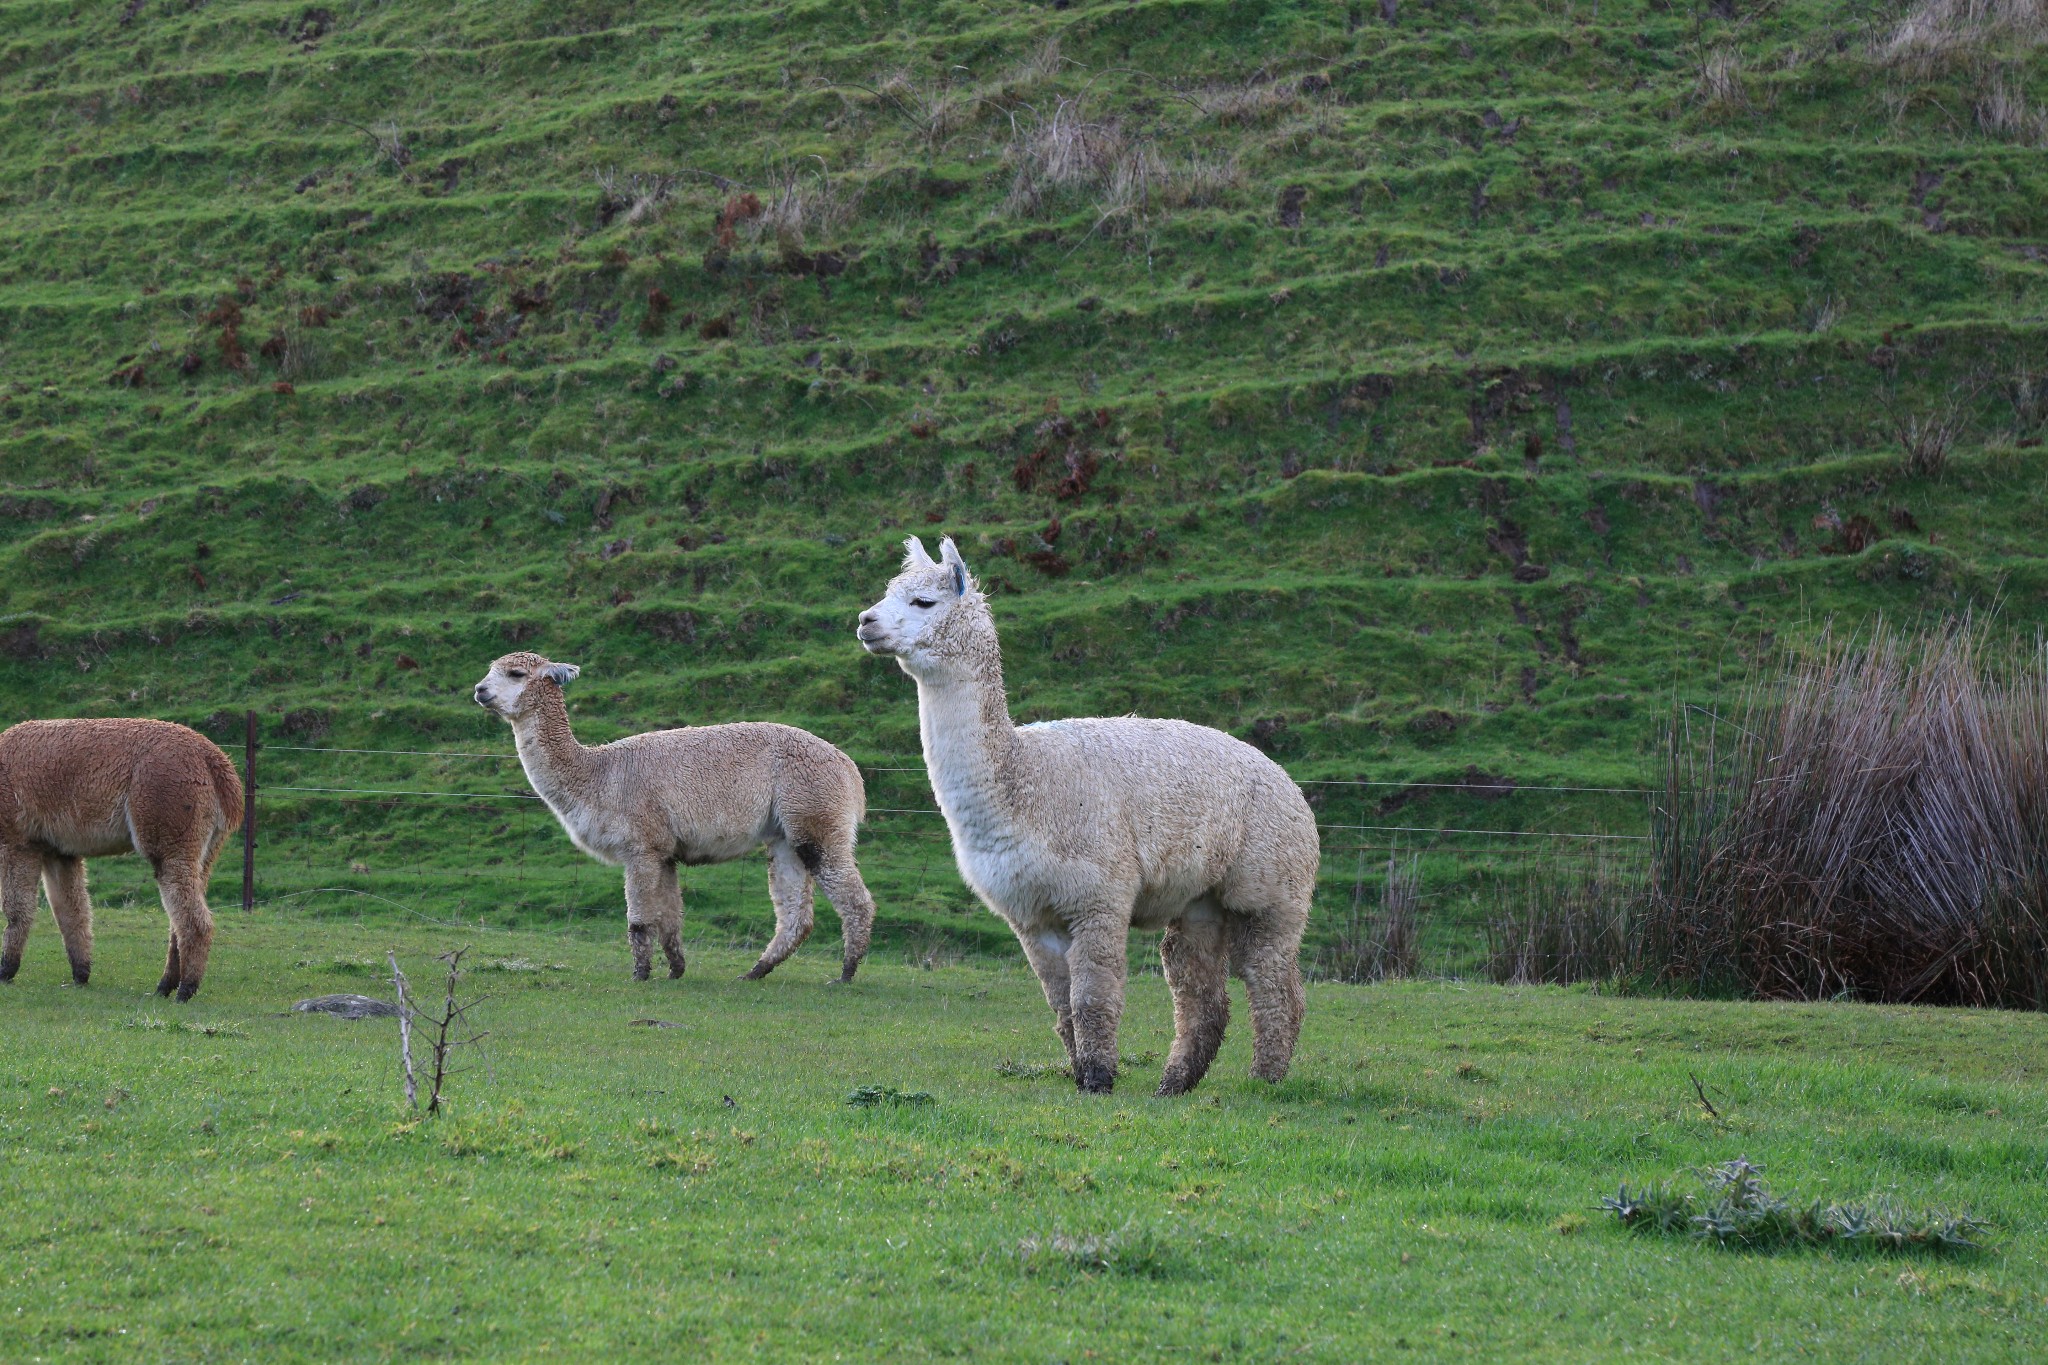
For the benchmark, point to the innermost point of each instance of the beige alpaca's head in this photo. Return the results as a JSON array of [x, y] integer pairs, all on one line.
[[517, 683], [933, 620]]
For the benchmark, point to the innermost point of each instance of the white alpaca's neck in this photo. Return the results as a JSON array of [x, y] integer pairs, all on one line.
[[969, 743]]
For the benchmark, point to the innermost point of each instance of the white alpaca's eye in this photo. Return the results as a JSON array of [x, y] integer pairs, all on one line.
[[514, 673], [923, 603]]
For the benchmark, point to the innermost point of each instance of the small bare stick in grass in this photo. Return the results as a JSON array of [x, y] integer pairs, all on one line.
[[440, 1031], [412, 1088], [1705, 1103]]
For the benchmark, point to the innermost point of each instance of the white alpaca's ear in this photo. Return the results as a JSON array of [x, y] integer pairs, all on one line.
[[914, 556], [561, 674], [949, 554]]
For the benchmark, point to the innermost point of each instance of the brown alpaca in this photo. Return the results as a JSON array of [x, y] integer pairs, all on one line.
[[1078, 831], [705, 794], [77, 789]]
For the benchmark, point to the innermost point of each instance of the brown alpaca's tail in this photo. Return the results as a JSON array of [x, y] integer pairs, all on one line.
[[227, 786]]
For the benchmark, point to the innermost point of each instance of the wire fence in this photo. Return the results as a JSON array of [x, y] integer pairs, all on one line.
[[350, 830]]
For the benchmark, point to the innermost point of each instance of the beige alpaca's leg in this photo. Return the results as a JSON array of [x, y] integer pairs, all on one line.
[[19, 869], [789, 887], [184, 895], [1197, 966], [1096, 964], [1047, 954], [64, 884], [1269, 960], [839, 878], [654, 909]]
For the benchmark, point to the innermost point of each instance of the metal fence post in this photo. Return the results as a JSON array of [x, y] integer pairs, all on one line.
[[249, 812]]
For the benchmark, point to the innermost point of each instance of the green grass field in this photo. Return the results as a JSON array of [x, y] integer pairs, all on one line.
[[226, 1181]]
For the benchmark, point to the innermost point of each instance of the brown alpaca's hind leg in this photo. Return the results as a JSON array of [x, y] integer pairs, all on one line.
[[789, 887], [654, 907], [1197, 966], [19, 868], [839, 878], [64, 884], [184, 895], [1269, 960]]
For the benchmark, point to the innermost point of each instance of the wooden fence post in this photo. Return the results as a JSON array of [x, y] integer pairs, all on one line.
[[249, 812]]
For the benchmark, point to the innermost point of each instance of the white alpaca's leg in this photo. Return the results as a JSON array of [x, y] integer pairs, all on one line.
[[19, 868], [1096, 965], [1268, 957], [64, 884], [654, 907], [1047, 954], [789, 886], [1197, 963]]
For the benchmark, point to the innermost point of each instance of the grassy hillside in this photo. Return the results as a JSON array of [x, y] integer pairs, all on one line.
[[1409, 387]]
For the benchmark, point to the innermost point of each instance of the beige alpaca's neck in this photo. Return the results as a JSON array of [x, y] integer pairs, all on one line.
[[559, 768], [970, 743]]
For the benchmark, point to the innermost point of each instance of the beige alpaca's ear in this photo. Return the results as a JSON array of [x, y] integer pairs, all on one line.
[[914, 556], [561, 674]]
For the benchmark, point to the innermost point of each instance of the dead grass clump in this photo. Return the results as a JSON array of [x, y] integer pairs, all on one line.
[[1068, 157], [1248, 105], [1874, 824], [1067, 152], [802, 206], [2004, 112], [1717, 83], [1564, 921], [1939, 34], [1388, 944]]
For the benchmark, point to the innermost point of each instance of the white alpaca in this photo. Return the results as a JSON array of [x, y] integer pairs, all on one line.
[[1077, 831], [707, 794]]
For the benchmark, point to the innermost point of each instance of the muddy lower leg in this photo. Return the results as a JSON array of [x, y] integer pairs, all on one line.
[[184, 898], [1096, 967], [19, 869], [168, 982], [654, 908], [64, 884], [1270, 964], [1198, 973], [789, 887], [841, 882]]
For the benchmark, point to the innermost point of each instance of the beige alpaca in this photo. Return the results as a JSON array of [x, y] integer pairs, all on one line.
[[1077, 831], [77, 789], [706, 794]]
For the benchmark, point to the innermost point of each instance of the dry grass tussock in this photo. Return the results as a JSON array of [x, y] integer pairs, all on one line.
[[1875, 824], [803, 205], [1388, 944], [1066, 156], [1936, 34], [2004, 111], [1717, 81], [1244, 105], [1564, 921]]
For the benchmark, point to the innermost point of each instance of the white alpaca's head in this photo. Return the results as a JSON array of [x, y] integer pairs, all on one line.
[[518, 682], [933, 620]]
